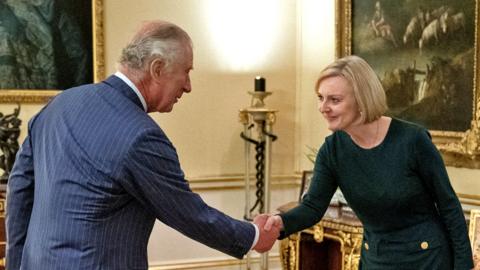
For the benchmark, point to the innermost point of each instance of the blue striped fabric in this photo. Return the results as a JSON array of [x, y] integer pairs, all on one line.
[[91, 178]]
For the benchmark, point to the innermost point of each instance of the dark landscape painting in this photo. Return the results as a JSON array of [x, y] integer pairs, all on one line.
[[423, 52]]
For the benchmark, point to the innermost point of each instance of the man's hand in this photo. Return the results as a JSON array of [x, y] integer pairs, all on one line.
[[267, 237]]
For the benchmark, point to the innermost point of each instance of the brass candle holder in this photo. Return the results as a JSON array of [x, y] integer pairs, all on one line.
[[257, 122]]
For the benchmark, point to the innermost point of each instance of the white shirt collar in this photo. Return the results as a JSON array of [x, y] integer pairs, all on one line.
[[135, 89]]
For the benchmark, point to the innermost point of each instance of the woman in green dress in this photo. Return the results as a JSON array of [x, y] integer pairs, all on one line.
[[389, 171]]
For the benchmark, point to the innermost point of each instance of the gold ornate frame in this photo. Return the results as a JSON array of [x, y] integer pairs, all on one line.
[[474, 233], [42, 96], [459, 149]]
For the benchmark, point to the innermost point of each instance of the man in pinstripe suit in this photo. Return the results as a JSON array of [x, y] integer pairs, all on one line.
[[95, 170]]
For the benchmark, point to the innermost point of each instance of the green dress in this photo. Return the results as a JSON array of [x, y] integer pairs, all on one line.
[[400, 191]]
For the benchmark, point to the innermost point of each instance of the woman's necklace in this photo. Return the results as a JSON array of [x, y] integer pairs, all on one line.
[[376, 132], [372, 143]]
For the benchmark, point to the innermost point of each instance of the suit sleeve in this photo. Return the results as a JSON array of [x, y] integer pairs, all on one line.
[[316, 201], [154, 177], [434, 174], [19, 204]]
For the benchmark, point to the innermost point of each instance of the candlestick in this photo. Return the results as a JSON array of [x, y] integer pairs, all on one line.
[[259, 84]]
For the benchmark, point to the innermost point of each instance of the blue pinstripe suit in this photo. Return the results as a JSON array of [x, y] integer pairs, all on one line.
[[90, 179]]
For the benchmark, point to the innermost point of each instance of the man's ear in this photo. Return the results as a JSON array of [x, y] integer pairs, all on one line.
[[157, 67]]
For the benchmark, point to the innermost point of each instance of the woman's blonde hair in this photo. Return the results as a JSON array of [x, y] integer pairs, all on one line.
[[367, 89]]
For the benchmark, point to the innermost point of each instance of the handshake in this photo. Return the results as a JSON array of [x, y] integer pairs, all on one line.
[[269, 227]]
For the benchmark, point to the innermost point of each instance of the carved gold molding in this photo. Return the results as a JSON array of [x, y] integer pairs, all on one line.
[[2, 207]]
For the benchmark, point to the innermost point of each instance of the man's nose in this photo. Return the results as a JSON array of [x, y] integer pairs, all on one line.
[[188, 86]]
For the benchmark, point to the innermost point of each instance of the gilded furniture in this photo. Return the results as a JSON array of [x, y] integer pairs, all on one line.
[[333, 243], [474, 233], [2, 230]]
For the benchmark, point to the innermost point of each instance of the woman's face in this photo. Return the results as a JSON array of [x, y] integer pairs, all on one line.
[[337, 103]]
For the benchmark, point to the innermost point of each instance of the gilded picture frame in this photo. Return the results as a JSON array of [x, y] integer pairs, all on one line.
[[94, 55], [474, 234], [399, 38]]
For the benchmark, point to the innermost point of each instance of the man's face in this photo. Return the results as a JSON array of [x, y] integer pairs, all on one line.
[[171, 85]]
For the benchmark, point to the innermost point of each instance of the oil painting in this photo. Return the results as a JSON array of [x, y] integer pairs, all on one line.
[[425, 54]]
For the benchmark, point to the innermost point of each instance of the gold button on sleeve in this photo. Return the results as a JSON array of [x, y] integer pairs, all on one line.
[[424, 245], [366, 246]]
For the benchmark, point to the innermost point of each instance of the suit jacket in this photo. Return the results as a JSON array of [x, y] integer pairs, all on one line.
[[93, 174]]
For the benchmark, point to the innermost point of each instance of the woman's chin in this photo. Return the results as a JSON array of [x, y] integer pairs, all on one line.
[[332, 127]]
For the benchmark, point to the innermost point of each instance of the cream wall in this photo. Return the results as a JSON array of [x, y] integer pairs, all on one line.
[[204, 124], [206, 121]]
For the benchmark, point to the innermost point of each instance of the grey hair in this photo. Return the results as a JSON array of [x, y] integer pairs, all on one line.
[[161, 40]]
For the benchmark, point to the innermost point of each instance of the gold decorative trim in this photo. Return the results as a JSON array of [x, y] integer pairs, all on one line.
[[2, 207], [473, 234], [293, 255], [459, 149], [98, 41], [43, 96], [341, 227]]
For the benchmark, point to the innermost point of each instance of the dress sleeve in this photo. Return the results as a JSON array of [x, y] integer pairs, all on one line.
[[434, 174], [20, 191], [154, 177], [314, 204]]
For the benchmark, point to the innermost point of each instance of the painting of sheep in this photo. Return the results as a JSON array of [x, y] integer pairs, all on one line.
[[424, 53]]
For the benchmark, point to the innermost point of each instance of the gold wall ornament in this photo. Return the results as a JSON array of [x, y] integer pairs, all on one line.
[[458, 148], [98, 61]]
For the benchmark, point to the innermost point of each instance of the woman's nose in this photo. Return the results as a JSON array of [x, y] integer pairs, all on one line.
[[322, 106]]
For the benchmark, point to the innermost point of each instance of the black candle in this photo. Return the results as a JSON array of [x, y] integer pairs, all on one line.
[[259, 84]]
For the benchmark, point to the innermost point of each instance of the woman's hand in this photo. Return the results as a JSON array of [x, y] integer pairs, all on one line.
[[273, 221]]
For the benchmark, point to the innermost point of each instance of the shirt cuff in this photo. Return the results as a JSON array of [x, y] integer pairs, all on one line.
[[257, 235]]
